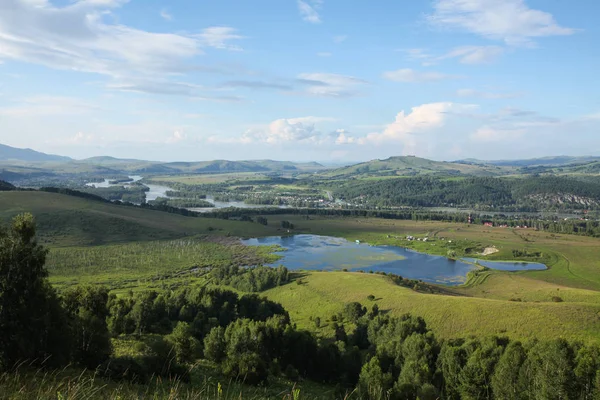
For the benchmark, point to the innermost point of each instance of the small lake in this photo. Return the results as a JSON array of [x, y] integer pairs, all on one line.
[[313, 252]]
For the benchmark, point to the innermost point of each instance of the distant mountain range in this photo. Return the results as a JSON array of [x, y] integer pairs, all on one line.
[[8, 153], [15, 162]]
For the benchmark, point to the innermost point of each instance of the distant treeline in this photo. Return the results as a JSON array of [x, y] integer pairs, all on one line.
[[528, 193], [571, 226]]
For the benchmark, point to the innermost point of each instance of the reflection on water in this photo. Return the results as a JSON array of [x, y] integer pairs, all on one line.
[[313, 252]]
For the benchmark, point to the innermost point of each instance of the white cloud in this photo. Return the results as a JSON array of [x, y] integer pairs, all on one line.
[[487, 95], [511, 21], [176, 137], [342, 138], [281, 131], [219, 38], [475, 54], [81, 36], [309, 10], [81, 137], [330, 85], [324, 54], [406, 128], [340, 38], [165, 15], [490, 134], [410, 75]]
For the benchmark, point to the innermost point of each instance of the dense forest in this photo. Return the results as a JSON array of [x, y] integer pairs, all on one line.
[[248, 338], [530, 193]]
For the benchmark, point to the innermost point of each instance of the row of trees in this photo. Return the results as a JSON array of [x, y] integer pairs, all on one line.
[[254, 279]]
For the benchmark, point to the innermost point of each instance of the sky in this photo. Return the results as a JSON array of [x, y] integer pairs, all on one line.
[[303, 80]]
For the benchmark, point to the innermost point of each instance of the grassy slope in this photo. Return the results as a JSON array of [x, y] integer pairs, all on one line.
[[71, 221], [481, 308], [324, 294]]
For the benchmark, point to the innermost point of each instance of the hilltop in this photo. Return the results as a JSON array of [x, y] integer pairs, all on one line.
[[13, 153], [410, 166]]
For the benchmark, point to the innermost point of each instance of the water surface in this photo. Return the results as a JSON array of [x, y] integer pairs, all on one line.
[[313, 252]]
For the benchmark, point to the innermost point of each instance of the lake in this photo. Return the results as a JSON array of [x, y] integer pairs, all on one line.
[[313, 252]]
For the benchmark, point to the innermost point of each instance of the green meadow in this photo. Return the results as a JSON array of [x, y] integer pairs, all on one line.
[[130, 248]]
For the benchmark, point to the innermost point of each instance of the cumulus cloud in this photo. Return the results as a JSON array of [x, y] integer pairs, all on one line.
[[491, 134], [511, 21], [176, 137], [309, 10], [330, 85], [81, 137], [282, 131], [406, 128], [410, 75], [340, 38]]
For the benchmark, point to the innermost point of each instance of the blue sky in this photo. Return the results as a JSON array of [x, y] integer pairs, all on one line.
[[324, 80]]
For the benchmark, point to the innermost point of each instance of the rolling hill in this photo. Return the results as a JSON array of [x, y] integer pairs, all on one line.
[[411, 166], [29, 155], [65, 220]]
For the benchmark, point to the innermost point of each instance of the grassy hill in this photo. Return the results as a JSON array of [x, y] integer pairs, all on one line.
[[66, 221], [410, 166]]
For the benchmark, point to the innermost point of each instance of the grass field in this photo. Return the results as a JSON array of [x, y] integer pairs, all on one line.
[[324, 294], [136, 249], [71, 221], [211, 178]]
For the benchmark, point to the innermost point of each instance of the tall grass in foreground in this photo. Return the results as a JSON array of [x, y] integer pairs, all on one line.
[[72, 384]]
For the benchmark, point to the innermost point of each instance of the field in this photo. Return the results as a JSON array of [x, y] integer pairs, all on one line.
[[132, 249], [211, 178]]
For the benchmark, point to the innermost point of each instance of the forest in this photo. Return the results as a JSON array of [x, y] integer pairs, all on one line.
[[247, 338], [527, 193]]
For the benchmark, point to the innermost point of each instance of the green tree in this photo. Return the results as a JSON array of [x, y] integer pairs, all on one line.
[[88, 312], [505, 381], [373, 383], [186, 347], [353, 311], [548, 371], [587, 363], [214, 344], [476, 375], [32, 322]]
